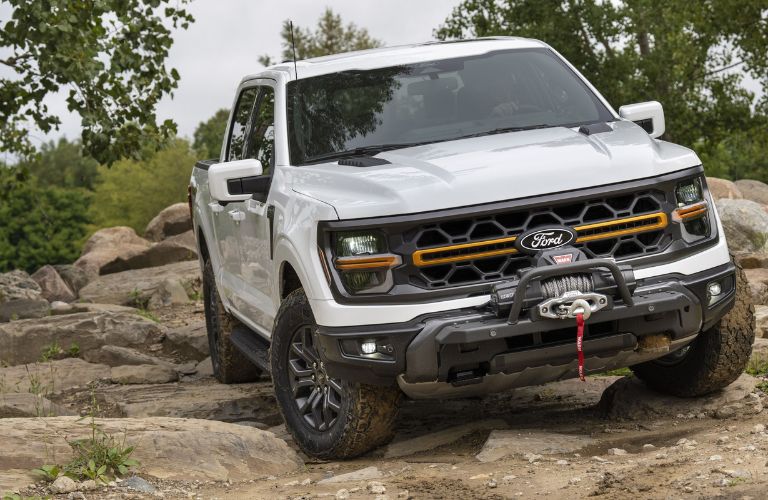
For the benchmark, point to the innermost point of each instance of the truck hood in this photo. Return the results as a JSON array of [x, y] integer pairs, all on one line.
[[491, 168]]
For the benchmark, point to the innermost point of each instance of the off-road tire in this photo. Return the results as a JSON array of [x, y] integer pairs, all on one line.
[[716, 358], [368, 412], [229, 364]]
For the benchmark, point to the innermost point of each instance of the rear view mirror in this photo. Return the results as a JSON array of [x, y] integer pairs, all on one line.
[[649, 115], [225, 179]]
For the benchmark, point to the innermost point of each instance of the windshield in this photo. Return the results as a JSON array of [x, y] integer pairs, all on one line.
[[364, 112]]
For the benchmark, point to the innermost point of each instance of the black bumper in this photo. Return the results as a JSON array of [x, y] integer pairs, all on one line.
[[463, 346]]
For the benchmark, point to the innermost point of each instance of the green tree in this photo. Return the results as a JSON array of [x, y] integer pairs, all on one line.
[[330, 37], [690, 56], [107, 55], [41, 224], [62, 164], [209, 135], [131, 192], [743, 155]]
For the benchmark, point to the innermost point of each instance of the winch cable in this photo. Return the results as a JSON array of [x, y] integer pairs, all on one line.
[[580, 343], [556, 287]]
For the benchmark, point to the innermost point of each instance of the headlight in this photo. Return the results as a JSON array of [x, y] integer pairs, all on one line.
[[689, 192], [692, 209], [363, 262]]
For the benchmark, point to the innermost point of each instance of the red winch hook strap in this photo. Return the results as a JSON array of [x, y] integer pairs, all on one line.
[[580, 343]]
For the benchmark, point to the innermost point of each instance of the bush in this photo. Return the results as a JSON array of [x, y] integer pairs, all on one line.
[[40, 224], [131, 192]]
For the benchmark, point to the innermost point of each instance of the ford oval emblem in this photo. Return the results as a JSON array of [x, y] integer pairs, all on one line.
[[544, 238]]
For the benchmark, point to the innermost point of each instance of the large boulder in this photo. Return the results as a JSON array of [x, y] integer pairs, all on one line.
[[26, 404], [136, 287], [188, 341], [722, 188], [176, 248], [21, 297], [107, 245], [74, 276], [170, 221], [745, 223], [53, 285], [761, 321], [166, 448], [629, 398], [753, 190], [24, 341]]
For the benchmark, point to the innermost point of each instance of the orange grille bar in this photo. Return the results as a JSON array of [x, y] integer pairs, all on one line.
[[366, 262], [691, 211], [503, 246]]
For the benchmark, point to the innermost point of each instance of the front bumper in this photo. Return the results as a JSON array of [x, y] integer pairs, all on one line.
[[469, 347]]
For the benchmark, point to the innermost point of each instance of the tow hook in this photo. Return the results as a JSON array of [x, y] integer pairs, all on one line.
[[571, 303]]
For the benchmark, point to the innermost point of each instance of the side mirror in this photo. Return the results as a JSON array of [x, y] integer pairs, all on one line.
[[225, 180], [649, 115]]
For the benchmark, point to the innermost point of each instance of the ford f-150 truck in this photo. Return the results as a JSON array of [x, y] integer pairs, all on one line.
[[454, 219]]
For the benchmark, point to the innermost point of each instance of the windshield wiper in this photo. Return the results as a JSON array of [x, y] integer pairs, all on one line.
[[364, 151], [504, 130]]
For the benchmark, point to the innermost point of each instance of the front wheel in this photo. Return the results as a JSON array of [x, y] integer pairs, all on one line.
[[327, 417], [714, 359]]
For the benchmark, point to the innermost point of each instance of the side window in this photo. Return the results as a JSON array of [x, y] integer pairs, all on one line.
[[261, 135], [237, 134]]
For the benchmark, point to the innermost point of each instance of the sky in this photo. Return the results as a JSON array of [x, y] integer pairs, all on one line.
[[228, 36]]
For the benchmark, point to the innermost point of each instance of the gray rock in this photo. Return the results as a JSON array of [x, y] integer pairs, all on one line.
[[144, 374], [24, 341], [167, 448], [170, 221], [358, 475], [21, 297], [189, 341], [107, 245], [434, 439], [629, 398], [168, 293], [204, 368], [58, 307], [505, 443], [25, 404], [63, 484], [74, 276], [753, 190], [753, 260], [138, 484], [758, 290], [722, 188], [53, 287], [174, 249], [53, 376], [113, 355], [136, 287], [761, 321], [745, 223]]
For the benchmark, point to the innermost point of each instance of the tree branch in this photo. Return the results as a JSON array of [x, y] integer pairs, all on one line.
[[724, 68]]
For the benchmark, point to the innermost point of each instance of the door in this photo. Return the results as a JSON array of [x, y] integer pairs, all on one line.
[[227, 219], [256, 229]]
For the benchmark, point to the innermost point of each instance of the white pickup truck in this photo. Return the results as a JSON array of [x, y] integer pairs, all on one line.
[[454, 219]]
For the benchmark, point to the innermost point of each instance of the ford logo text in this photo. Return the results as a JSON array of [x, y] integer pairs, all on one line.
[[544, 238]]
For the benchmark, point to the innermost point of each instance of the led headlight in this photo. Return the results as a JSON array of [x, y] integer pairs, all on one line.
[[689, 192], [363, 261]]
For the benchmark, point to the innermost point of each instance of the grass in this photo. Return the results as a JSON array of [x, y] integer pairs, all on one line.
[[757, 366], [99, 457], [55, 351], [619, 372], [147, 314]]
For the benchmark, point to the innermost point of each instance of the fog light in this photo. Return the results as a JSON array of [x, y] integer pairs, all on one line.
[[368, 347], [714, 289]]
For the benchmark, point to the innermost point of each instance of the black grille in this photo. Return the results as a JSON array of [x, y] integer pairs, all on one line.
[[500, 225]]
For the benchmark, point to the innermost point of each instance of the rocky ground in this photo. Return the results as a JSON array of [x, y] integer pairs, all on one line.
[[119, 339]]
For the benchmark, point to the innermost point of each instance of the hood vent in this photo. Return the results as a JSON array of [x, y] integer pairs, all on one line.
[[363, 161]]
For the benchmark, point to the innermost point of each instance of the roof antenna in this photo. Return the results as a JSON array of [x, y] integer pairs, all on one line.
[[293, 46]]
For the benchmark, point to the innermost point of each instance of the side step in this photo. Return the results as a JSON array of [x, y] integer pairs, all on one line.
[[252, 345]]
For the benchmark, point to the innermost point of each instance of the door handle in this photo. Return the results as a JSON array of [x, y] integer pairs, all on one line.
[[216, 207], [237, 215]]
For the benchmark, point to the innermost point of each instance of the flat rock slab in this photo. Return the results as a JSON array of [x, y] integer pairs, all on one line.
[[24, 341], [25, 404], [629, 398], [52, 377], [128, 287], [206, 400], [167, 448], [505, 443], [433, 440], [365, 474]]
